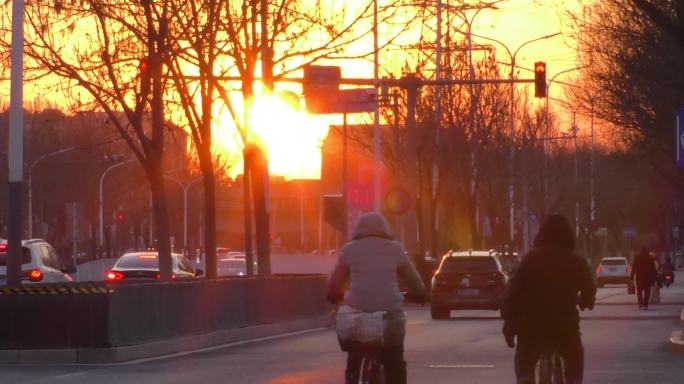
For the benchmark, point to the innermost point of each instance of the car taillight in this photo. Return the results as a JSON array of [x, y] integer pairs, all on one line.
[[114, 276], [628, 269], [173, 276], [33, 275], [599, 269]]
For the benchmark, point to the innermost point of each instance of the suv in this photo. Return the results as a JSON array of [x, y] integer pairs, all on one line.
[[468, 280], [613, 270], [39, 264]]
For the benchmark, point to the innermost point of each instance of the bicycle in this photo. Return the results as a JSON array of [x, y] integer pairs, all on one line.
[[361, 334], [549, 369], [370, 369]]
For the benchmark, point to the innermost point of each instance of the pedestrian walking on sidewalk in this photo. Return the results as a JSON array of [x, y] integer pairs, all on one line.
[[644, 274]]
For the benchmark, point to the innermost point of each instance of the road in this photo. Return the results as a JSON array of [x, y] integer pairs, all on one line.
[[623, 345]]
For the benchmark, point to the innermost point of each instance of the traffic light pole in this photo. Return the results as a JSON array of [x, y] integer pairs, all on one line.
[[101, 201], [345, 166]]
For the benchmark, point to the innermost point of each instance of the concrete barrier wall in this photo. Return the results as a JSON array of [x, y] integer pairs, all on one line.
[[100, 316]]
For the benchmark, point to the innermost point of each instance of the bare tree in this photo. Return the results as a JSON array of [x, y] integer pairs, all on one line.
[[115, 66], [634, 51]]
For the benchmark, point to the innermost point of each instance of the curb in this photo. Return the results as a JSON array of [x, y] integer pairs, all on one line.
[[160, 348], [676, 341]]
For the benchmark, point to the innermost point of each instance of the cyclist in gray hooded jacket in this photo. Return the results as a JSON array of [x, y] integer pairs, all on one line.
[[366, 273]]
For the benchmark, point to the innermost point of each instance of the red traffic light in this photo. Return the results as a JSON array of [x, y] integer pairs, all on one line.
[[120, 216], [540, 79], [144, 65]]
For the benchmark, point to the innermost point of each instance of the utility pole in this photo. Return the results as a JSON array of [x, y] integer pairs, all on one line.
[[410, 83], [437, 154], [259, 162], [15, 154], [376, 115]]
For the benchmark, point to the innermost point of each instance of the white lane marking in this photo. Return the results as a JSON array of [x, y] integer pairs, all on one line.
[[68, 375], [461, 366], [215, 347]]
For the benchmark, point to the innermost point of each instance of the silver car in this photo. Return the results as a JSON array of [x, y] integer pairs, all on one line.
[[144, 266], [613, 270], [39, 264]]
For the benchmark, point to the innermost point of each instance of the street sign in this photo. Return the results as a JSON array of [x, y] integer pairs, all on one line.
[[398, 201], [486, 227], [679, 138], [353, 100], [320, 78], [629, 232]]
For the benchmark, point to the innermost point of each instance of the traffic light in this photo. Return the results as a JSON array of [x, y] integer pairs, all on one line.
[[335, 212], [120, 216], [540, 79]]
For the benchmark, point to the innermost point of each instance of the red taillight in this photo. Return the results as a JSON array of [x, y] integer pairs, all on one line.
[[114, 276], [33, 275], [599, 269], [628, 269], [3, 247], [173, 276]]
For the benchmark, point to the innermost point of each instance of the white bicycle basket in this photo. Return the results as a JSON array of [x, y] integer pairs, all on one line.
[[354, 325]]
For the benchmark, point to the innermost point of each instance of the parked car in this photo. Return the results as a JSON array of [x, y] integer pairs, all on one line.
[[613, 270], [468, 280], [229, 266], [144, 266], [39, 264]]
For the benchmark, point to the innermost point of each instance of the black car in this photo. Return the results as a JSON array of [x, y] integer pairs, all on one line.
[[144, 266], [468, 280]]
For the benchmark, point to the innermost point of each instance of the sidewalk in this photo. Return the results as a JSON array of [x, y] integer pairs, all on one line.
[[674, 297]]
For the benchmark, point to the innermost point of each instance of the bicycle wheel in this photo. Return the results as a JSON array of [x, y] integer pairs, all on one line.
[[558, 369], [371, 372], [543, 370]]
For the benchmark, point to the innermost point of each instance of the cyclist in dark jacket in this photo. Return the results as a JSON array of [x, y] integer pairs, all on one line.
[[366, 275], [541, 304]]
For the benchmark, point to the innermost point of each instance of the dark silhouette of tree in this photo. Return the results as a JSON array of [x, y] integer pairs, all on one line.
[[110, 57]]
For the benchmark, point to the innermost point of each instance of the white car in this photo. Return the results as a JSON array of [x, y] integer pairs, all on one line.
[[613, 270], [229, 266], [39, 264]]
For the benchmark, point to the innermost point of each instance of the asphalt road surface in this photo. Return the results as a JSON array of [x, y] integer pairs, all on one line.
[[622, 343]]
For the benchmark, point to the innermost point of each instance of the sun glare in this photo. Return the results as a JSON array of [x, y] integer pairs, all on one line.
[[292, 138]]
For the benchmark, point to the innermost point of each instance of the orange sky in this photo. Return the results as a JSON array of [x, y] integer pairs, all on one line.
[[294, 138]]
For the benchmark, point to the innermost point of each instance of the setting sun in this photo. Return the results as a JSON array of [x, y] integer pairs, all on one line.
[[292, 138]]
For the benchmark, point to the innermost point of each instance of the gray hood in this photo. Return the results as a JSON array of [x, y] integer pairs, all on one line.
[[372, 224]]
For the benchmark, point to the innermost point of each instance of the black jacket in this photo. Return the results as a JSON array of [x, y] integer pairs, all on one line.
[[644, 269], [549, 284]]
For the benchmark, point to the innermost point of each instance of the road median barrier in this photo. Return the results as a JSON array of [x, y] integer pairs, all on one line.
[[66, 321]]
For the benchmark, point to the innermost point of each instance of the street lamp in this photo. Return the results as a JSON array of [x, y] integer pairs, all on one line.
[[185, 188], [546, 162], [30, 185], [101, 201], [511, 203]]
